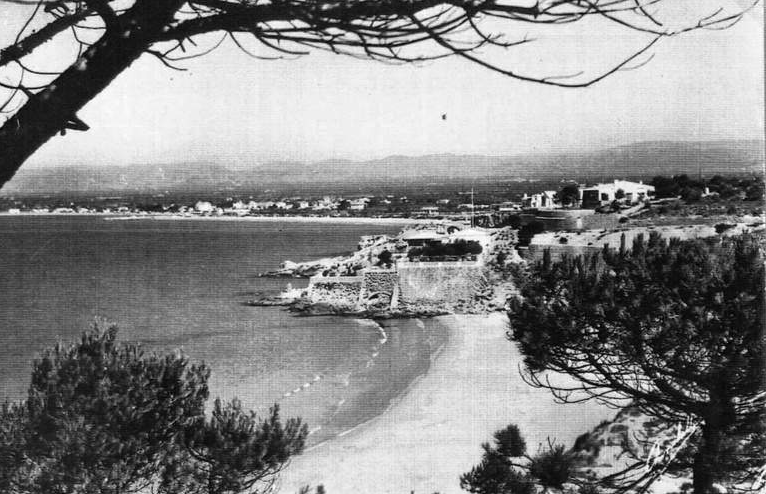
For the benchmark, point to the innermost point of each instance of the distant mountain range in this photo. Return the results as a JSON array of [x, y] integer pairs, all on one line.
[[639, 160]]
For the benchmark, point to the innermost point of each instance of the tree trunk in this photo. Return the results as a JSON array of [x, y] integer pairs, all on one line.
[[709, 462], [47, 112], [706, 467]]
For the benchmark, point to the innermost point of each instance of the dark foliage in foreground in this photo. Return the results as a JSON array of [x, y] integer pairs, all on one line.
[[675, 327], [104, 417], [505, 467]]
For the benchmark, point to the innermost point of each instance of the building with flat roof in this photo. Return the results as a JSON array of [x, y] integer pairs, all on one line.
[[542, 200], [619, 190]]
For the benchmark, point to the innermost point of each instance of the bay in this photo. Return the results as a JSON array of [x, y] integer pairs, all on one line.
[[184, 285]]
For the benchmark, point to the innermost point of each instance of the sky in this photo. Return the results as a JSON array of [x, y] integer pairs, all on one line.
[[231, 109]]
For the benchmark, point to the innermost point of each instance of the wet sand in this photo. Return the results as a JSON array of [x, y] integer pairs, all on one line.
[[433, 433]]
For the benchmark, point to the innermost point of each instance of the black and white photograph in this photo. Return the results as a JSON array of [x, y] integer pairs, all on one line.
[[382, 247]]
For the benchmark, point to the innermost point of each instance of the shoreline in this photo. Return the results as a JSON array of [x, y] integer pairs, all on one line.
[[400, 352], [432, 432], [392, 403], [279, 219], [363, 220]]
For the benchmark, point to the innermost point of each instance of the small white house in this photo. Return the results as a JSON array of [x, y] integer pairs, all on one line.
[[203, 207], [418, 238], [543, 200], [358, 204]]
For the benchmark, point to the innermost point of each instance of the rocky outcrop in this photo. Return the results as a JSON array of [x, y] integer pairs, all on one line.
[[351, 265], [357, 284]]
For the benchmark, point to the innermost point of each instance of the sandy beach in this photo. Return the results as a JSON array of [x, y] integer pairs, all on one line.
[[433, 433]]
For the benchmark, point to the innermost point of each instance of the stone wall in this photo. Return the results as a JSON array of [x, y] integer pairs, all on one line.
[[339, 291], [442, 283], [378, 287], [534, 253]]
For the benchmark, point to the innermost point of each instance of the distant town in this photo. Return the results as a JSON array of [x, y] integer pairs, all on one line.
[[569, 205]]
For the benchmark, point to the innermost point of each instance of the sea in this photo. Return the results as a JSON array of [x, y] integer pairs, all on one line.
[[184, 285]]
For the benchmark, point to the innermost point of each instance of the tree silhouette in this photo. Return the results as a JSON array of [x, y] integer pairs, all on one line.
[[506, 468], [676, 328], [103, 417], [568, 195], [107, 36], [233, 450]]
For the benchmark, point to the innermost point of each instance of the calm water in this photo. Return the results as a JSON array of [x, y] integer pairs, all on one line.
[[183, 284]]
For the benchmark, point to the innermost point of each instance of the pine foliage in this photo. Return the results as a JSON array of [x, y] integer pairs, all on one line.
[[674, 327], [105, 417]]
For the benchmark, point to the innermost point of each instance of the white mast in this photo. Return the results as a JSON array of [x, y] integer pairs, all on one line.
[[473, 209]]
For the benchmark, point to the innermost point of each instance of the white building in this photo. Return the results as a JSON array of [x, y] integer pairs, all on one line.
[[203, 207], [628, 192], [507, 207], [543, 200], [358, 204]]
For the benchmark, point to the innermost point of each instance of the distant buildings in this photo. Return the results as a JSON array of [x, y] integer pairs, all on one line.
[[593, 196], [358, 204]]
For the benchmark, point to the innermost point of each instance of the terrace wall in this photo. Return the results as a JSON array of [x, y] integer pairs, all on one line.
[[439, 282]]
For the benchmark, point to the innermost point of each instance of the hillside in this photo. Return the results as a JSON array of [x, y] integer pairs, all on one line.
[[639, 160]]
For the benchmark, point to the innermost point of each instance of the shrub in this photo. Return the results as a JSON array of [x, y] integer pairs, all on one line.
[[458, 248], [530, 230], [553, 468], [498, 473], [385, 258], [722, 227]]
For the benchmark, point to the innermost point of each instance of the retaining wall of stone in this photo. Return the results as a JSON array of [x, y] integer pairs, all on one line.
[[340, 291], [434, 282]]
